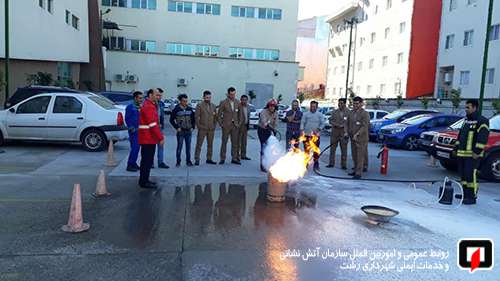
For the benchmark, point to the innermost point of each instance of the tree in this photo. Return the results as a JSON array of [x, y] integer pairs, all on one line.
[[456, 98], [40, 79], [399, 100], [425, 102], [376, 102], [496, 105], [301, 97]]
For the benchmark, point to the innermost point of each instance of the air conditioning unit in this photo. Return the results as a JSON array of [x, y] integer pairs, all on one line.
[[131, 78], [181, 82], [119, 77]]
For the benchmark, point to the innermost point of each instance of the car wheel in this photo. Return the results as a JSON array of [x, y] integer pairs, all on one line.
[[490, 169], [411, 143], [450, 166], [94, 140]]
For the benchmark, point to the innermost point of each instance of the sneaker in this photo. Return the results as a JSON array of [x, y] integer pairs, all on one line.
[[245, 158], [330, 166], [197, 163], [152, 182], [178, 164], [211, 162], [163, 166], [236, 162], [189, 163], [148, 185]]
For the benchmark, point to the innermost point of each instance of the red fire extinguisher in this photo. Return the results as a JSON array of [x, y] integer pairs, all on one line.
[[384, 160]]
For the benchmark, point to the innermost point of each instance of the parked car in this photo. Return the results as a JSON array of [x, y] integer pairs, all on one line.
[[27, 92], [282, 110], [489, 166], [121, 98], [396, 116], [406, 133], [428, 139], [68, 117], [254, 117], [170, 105], [194, 103], [376, 113]]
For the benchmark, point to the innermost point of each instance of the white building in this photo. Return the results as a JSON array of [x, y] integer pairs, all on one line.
[[394, 49], [47, 36], [188, 47], [461, 49]]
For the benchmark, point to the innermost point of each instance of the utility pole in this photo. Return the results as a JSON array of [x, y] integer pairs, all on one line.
[[351, 23], [6, 51], [485, 56]]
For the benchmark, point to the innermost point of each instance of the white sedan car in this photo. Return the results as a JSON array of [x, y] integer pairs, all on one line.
[[66, 117], [254, 118]]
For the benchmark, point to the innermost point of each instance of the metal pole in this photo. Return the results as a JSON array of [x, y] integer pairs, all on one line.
[[6, 51], [351, 23], [485, 56]]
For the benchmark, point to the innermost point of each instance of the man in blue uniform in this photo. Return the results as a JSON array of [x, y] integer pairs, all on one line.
[[132, 119]]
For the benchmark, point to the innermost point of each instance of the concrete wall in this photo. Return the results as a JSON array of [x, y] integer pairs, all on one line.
[[201, 73], [37, 34], [469, 58]]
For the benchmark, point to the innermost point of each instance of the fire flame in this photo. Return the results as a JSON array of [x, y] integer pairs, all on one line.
[[293, 165]]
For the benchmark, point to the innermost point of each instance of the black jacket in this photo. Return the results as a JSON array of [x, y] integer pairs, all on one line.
[[183, 118], [473, 136]]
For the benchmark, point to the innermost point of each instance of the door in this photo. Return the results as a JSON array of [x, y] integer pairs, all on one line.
[[29, 119], [66, 118], [263, 93]]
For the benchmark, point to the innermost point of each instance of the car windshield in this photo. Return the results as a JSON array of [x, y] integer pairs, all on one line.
[[416, 120], [457, 125], [395, 114], [495, 123], [102, 102]]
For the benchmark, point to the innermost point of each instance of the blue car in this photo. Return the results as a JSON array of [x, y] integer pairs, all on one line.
[[407, 133], [396, 116]]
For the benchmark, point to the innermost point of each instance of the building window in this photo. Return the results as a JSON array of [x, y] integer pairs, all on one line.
[[450, 41], [208, 9], [382, 89], [259, 54], [115, 3], [388, 4], [68, 17], [490, 75], [468, 37], [114, 43], [471, 2], [402, 27], [464, 77], [41, 3], [193, 49], [180, 6], [371, 63], [140, 45], [495, 32], [368, 89], [387, 32], [360, 66], [453, 5], [385, 59], [75, 22], [343, 69], [373, 37], [50, 6], [400, 58], [260, 13]]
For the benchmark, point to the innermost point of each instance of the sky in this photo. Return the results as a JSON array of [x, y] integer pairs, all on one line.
[[311, 8]]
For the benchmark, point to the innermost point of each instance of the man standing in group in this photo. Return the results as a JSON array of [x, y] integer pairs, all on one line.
[[339, 135], [245, 124], [132, 112], [206, 121], [161, 116], [149, 136], [470, 144], [229, 120], [182, 119], [311, 125], [358, 124], [293, 119]]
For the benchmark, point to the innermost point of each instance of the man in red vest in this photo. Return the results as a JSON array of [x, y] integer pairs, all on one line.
[[149, 136]]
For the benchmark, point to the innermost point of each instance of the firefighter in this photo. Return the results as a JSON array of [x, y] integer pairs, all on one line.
[[132, 121], [149, 136], [339, 135], [470, 144]]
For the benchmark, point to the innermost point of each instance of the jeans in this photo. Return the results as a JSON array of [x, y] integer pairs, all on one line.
[[290, 135], [147, 157], [134, 148], [183, 137]]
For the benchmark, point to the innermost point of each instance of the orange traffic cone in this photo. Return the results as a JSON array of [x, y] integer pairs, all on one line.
[[101, 190], [111, 159], [75, 221]]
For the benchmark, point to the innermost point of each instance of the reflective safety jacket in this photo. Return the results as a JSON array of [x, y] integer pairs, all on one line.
[[149, 127], [473, 136]]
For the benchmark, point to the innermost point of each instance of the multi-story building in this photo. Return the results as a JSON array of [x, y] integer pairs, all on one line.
[[45, 36], [394, 48], [191, 46], [461, 49]]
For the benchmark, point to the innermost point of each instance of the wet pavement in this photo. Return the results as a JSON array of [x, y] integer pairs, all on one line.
[[214, 223]]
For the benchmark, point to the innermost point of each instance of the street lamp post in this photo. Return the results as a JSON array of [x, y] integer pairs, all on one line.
[[6, 51], [485, 56], [351, 23]]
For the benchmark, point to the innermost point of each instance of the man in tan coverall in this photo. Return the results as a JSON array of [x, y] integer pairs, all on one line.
[[339, 135], [245, 123], [206, 121], [358, 124], [229, 120]]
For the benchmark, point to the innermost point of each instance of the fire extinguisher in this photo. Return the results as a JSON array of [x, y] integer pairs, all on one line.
[[384, 160]]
